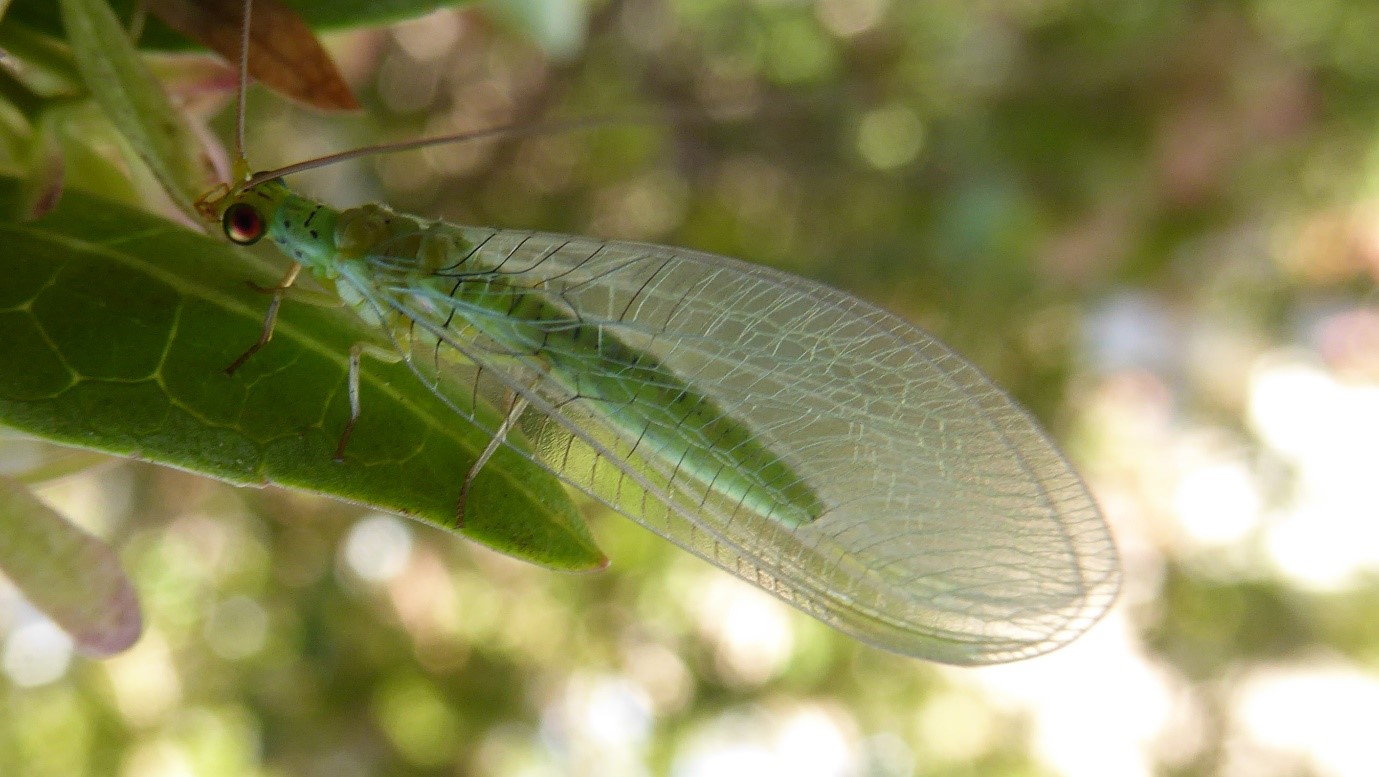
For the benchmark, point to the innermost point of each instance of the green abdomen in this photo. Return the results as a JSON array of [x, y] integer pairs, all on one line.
[[650, 405]]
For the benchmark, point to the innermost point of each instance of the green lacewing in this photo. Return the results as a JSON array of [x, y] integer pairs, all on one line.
[[796, 436]]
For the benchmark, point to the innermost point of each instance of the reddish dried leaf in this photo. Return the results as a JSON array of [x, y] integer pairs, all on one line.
[[70, 575], [284, 53]]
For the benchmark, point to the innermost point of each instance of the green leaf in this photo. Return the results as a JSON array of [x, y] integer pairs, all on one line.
[[322, 15], [116, 327], [71, 576], [133, 101]]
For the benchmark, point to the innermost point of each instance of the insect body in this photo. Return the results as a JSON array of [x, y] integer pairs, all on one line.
[[399, 273], [796, 436]]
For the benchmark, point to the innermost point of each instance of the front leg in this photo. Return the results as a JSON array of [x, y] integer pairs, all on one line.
[[356, 351], [352, 386], [516, 404], [270, 319]]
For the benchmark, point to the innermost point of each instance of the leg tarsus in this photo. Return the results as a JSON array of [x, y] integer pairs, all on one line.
[[279, 287], [270, 319], [353, 384], [516, 405]]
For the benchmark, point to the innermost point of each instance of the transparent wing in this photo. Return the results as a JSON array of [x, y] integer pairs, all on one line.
[[952, 528]]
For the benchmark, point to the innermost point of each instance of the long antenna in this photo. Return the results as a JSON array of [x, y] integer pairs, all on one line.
[[504, 131], [241, 161]]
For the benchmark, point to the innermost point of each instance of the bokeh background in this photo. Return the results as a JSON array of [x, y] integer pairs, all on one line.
[[1156, 223]]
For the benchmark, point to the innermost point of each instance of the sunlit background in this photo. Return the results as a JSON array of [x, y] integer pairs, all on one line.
[[1156, 223]]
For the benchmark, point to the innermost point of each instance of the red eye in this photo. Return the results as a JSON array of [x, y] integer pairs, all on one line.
[[243, 223]]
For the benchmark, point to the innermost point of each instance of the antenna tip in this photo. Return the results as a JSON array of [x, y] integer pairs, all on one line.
[[240, 172]]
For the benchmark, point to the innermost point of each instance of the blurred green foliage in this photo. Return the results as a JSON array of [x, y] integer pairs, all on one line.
[[1003, 173]]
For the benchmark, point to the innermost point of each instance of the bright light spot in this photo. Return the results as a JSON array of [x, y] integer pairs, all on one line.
[[618, 711], [1096, 706], [811, 742], [89, 499], [1349, 338], [1216, 497], [662, 673], [1133, 331], [890, 137], [846, 18], [737, 760], [808, 741], [601, 724], [750, 628], [642, 208], [611, 711], [429, 37], [378, 548], [1187, 732], [36, 653], [509, 750], [145, 683], [158, 758], [955, 726], [1288, 398], [205, 741], [1324, 548], [237, 628], [559, 26], [1324, 714], [887, 755], [1326, 536], [1329, 428]]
